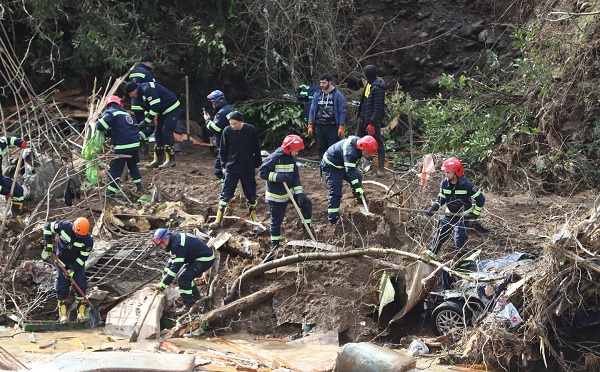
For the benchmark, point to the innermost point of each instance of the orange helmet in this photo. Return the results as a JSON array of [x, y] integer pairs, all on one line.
[[114, 99], [81, 226], [454, 165], [367, 144], [291, 143]]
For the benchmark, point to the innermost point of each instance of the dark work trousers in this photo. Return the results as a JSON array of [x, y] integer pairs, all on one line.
[[230, 184], [62, 284], [140, 115], [278, 213], [361, 131], [218, 171], [6, 184], [335, 180], [187, 288], [325, 135], [165, 126], [445, 226], [117, 166]]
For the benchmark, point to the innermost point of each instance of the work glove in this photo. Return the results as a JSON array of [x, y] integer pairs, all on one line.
[[69, 274], [310, 131], [284, 177], [161, 287], [358, 193], [23, 145], [470, 216], [142, 125], [431, 210], [341, 133], [370, 129], [47, 251], [429, 255]]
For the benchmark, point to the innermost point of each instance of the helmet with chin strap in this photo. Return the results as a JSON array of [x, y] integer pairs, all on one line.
[[454, 165], [368, 144], [160, 235], [292, 143]]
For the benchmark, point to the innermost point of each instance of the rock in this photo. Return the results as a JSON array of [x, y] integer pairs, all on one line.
[[434, 84], [39, 182], [483, 36], [477, 27], [423, 35], [465, 31]]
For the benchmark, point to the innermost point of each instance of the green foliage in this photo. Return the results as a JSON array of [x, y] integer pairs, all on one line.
[[210, 53]]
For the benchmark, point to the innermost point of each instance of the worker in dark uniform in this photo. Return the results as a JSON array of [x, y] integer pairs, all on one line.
[[188, 250], [73, 249], [17, 197], [240, 157], [458, 194], [305, 96], [216, 125], [340, 162], [161, 103], [142, 74], [120, 127], [280, 167]]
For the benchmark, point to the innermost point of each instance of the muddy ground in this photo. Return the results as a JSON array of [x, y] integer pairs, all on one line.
[[340, 295]]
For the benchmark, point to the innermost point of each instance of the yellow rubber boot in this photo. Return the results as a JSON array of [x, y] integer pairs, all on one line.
[[169, 157], [159, 154], [252, 212], [82, 311], [219, 219], [62, 312]]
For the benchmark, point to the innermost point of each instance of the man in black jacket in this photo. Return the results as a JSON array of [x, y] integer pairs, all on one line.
[[240, 157], [371, 112]]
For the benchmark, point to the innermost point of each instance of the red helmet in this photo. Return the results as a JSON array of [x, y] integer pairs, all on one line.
[[81, 226], [114, 99], [367, 144], [291, 143], [454, 165]]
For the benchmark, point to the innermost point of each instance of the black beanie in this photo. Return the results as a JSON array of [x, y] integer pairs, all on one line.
[[235, 115], [147, 58], [370, 73], [130, 87]]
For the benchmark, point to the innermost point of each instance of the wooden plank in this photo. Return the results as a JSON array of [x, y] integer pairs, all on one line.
[[123, 319]]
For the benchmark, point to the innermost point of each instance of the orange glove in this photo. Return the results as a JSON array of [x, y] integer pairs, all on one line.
[[23, 145], [371, 129], [341, 132], [310, 131]]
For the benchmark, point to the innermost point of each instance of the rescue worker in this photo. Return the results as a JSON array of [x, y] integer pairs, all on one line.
[[17, 197], [280, 167], [221, 109], [241, 160], [188, 250], [458, 194], [161, 103], [120, 127], [340, 163], [327, 116], [371, 112], [305, 95], [143, 74], [73, 249]]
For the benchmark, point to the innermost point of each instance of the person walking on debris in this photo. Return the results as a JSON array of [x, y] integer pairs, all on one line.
[[188, 250], [142, 74], [119, 126], [371, 112], [73, 249], [280, 167], [216, 126], [340, 163], [457, 193], [161, 103], [327, 117], [17, 198], [240, 157]]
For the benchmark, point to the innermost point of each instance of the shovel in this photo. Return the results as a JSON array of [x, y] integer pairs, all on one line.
[[136, 330], [187, 142], [291, 196], [94, 313], [365, 208]]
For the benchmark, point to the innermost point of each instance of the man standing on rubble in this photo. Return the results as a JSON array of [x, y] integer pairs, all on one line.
[[240, 157], [17, 198], [72, 250], [119, 126], [458, 194], [188, 250], [221, 109], [280, 167], [340, 163], [371, 112], [161, 103], [142, 74]]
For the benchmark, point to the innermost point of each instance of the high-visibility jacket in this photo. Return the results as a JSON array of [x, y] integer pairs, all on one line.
[[458, 197], [120, 127], [276, 166], [184, 249], [72, 249], [156, 100], [344, 155]]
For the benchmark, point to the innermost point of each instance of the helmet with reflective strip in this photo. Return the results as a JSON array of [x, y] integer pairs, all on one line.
[[215, 96], [367, 144], [81, 226], [454, 165], [114, 99], [291, 143], [160, 235]]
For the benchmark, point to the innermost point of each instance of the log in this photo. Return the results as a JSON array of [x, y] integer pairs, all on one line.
[[171, 347]]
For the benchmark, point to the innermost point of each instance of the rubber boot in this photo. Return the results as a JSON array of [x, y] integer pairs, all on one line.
[[145, 150], [62, 312], [252, 212], [82, 311], [16, 208], [381, 166], [219, 219], [139, 188], [170, 157], [159, 154]]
